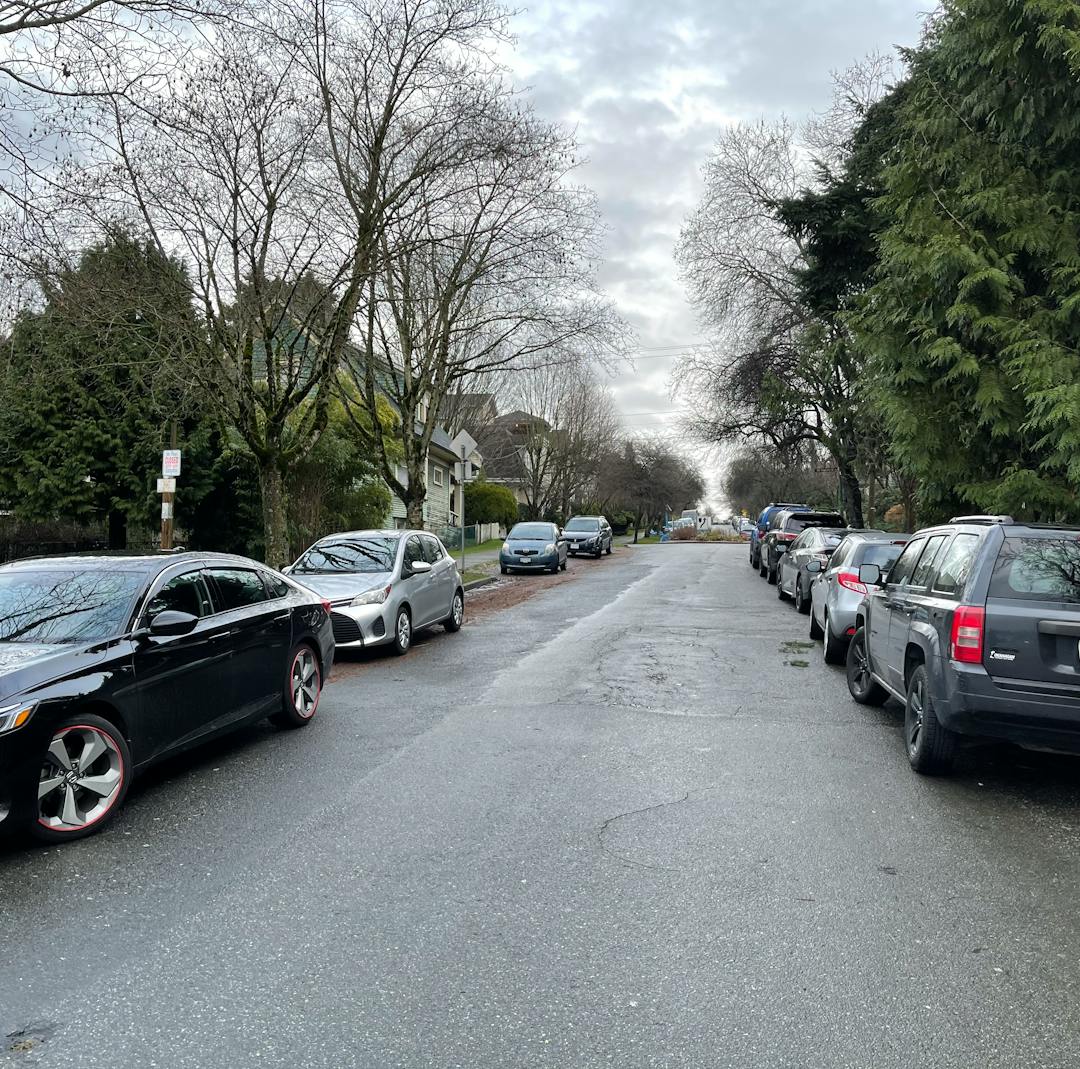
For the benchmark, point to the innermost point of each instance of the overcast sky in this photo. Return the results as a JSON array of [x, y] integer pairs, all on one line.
[[648, 84]]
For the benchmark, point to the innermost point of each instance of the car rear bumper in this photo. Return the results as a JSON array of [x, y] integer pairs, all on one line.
[[1024, 713]]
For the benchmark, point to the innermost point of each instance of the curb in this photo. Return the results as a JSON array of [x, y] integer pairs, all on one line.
[[476, 584]]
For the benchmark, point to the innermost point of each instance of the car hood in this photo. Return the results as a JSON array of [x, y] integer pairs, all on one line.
[[339, 587], [27, 665], [580, 536]]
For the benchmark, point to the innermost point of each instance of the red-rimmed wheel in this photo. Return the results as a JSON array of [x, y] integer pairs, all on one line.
[[303, 688], [84, 777]]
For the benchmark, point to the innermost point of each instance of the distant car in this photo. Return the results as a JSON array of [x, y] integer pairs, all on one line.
[[745, 529], [761, 528], [383, 586], [588, 534], [110, 664], [784, 528], [836, 591], [533, 546], [815, 544], [976, 628]]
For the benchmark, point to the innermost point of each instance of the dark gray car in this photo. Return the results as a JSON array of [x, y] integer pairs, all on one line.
[[588, 534], [976, 629]]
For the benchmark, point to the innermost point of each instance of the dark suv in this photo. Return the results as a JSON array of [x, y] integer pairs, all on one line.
[[761, 527], [976, 628], [784, 528]]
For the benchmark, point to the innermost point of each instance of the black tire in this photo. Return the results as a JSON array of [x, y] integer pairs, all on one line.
[[862, 687], [598, 554], [562, 567], [931, 748], [781, 596], [115, 759], [763, 569], [815, 627], [504, 569], [402, 641], [608, 550], [802, 601], [832, 649], [301, 690], [770, 575], [457, 612]]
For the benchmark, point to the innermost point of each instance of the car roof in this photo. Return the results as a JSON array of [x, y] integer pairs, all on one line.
[[150, 563]]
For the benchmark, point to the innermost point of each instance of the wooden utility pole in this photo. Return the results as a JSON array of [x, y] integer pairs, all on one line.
[[167, 487]]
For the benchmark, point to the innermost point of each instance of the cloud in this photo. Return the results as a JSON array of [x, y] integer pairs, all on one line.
[[648, 86]]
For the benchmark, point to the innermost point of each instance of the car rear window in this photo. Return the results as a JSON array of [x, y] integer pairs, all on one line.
[[800, 523], [884, 556], [1037, 569]]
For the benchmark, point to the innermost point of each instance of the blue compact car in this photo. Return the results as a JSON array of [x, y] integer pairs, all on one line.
[[533, 547]]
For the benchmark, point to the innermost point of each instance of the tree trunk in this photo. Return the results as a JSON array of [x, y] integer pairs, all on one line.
[[275, 524], [414, 510], [850, 492], [117, 529]]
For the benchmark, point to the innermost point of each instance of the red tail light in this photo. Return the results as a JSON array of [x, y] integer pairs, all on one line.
[[968, 625], [850, 581], [326, 606], [786, 536]]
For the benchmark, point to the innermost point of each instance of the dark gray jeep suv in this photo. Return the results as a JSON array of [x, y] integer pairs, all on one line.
[[976, 628]]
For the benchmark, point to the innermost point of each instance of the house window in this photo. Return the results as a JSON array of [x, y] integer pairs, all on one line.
[[437, 476]]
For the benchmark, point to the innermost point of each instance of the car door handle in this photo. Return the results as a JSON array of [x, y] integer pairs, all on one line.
[[218, 636]]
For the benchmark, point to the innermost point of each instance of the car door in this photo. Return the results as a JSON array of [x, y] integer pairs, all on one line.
[[419, 586], [909, 607], [443, 575], [883, 599], [183, 681], [260, 630]]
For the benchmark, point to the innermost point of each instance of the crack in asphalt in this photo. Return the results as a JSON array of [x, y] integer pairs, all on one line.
[[637, 812]]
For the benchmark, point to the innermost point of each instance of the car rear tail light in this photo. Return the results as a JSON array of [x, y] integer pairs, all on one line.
[[326, 606], [850, 581], [968, 625], [787, 536]]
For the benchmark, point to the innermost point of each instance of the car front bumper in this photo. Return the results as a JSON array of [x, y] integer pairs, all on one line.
[[540, 561], [356, 626], [1032, 714], [21, 754], [583, 546]]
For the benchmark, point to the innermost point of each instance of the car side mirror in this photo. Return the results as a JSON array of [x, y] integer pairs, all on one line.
[[419, 567], [870, 575], [170, 623], [813, 567]]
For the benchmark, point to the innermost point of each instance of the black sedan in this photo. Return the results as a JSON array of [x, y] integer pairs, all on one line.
[[108, 664]]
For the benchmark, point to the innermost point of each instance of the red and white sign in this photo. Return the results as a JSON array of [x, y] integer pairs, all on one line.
[[170, 463]]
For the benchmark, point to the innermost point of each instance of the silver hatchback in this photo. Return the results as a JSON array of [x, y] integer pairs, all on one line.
[[383, 586], [836, 592]]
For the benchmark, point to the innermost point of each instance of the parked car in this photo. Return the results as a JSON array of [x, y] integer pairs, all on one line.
[[837, 592], [784, 527], [814, 545], [976, 628], [761, 527], [109, 664], [746, 529], [383, 586], [534, 546], [588, 534]]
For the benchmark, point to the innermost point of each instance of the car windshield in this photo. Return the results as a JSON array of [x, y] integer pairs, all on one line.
[[582, 523], [531, 531], [65, 605], [350, 556]]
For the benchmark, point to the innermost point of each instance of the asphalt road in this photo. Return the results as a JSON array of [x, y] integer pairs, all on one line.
[[624, 823]]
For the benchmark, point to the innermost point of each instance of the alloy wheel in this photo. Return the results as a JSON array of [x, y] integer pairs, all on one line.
[[404, 630], [861, 671], [304, 683], [916, 705], [458, 611], [80, 780]]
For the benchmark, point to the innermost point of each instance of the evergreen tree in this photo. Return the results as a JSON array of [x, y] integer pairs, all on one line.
[[975, 319]]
